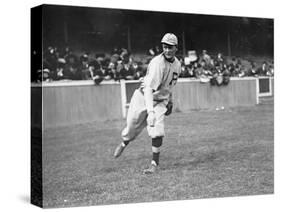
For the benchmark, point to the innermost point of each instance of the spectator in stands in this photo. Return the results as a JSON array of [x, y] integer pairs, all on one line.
[[220, 75], [71, 70], [84, 66], [184, 71], [60, 70], [137, 69], [95, 72], [226, 74], [242, 72], [205, 57], [116, 74], [206, 67], [231, 69], [252, 71], [154, 51], [100, 57], [67, 51], [112, 65], [262, 71], [125, 56], [72, 73], [270, 71], [104, 62], [95, 67], [70, 57], [114, 58], [50, 60], [198, 70], [127, 72], [111, 69], [235, 67], [271, 68], [190, 69], [219, 60]]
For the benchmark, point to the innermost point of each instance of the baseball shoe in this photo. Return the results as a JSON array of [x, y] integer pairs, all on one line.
[[119, 149], [152, 168]]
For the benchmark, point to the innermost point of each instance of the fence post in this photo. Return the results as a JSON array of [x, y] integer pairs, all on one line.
[[257, 90], [123, 97]]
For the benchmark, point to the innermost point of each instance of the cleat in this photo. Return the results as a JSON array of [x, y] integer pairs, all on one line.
[[119, 149], [152, 169]]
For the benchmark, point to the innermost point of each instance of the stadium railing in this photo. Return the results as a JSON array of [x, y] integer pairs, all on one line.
[[75, 102]]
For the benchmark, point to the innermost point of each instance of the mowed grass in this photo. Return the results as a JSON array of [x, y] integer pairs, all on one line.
[[205, 154]]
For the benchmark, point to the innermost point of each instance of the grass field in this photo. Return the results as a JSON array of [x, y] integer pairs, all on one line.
[[205, 154]]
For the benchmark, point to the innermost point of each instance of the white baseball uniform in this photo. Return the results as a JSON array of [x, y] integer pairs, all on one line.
[[161, 77]]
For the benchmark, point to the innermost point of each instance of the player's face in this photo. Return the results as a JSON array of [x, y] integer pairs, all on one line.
[[169, 50]]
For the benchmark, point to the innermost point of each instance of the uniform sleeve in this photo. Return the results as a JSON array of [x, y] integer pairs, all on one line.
[[154, 75], [179, 69]]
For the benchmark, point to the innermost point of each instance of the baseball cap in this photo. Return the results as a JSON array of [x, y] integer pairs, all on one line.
[[170, 39]]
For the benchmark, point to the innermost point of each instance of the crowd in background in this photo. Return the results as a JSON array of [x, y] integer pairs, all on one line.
[[207, 65], [64, 64]]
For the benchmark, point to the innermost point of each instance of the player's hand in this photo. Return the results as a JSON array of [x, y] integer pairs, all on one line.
[[151, 119], [169, 108]]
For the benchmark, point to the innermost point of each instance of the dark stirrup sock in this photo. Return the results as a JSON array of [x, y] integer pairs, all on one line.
[[155, 157], [126, 142]]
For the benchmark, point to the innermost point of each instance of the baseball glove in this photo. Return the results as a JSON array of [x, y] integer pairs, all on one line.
[[169, 108]]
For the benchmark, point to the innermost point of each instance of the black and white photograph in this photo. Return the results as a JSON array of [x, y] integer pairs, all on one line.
[[140, 105], [132, 106]]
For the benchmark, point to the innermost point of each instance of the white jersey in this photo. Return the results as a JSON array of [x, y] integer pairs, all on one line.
[[162, 76]]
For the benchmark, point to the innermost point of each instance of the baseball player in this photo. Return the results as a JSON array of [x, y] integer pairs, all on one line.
[[153, 100]]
